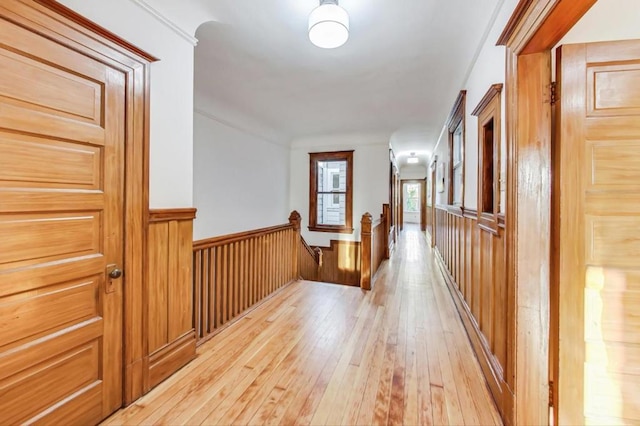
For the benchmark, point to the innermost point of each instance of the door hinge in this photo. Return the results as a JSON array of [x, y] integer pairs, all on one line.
[[553, 92], [551, 390]]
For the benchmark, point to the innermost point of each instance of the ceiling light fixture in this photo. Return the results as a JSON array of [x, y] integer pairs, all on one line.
[[413, 159], [329, 25]]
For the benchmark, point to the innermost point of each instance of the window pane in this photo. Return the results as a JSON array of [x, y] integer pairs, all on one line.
[[412, 198], [332, 209], [457, 185], [332, 176], [457, 145]]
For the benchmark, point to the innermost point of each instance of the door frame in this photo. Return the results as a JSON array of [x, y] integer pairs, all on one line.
[[74, 31], [432, 171], [423, 202], [535, 27]]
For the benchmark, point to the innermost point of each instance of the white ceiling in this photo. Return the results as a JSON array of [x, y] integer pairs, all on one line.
[[398, 73]]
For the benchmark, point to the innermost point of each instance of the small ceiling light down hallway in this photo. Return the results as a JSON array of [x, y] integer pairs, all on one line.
[[329, 25], [413, 159]]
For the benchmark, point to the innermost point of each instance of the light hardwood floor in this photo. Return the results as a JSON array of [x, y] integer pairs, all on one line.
[[324, 354]]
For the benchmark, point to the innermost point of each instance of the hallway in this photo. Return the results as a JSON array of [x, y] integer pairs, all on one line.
[[320, 354]]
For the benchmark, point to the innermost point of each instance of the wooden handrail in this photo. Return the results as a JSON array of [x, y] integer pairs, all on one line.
[[232, 238], [314, 252], [310, 261], [307, 246]]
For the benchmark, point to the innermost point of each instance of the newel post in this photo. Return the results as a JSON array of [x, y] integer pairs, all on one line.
[[365, 251], [295, 220]]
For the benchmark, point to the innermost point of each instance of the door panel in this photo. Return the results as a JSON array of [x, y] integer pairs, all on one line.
[[61, 213], [599, 233]]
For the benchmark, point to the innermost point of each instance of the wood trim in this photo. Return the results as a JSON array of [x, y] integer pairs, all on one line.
[[314, 157], [455, 210], [386, 212], [366, 224], [164, 215], [339, 268], [473, 265], [561, 19], [489, 111], [457, 117], [310, 261], [169, 294], [224, 239], [516, 19], [105, 34], [167, 360], [493, 91], [329, 228], [423, 201], [538, 25], [511, 228], [470, 213], [528, 128]]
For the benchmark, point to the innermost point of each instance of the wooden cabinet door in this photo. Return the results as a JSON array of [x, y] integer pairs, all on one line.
[[597, 188], [61, 230]]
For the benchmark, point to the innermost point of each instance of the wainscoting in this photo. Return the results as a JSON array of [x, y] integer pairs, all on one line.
[[233, 273], [171, 338], [310, 261], [472, 260], [341, 263]]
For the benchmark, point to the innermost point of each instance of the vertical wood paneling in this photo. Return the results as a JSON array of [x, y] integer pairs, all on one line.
[[486, 286], [241, 270], [341, 263], [476, 271], [309, 262], [171, 286], [157, 286], [473, 262], [499, 342]]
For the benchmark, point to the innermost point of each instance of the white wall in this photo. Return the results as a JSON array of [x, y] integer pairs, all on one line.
[[413, 171], [241, 181], [488, 69], [370, 178], [607, 20], [171, 128]]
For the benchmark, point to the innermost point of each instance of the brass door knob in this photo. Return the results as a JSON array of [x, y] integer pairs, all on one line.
[[116, 273]]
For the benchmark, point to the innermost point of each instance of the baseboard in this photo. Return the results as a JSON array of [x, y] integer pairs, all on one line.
[[170, 358]]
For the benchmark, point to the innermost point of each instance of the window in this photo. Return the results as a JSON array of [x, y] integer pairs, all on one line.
[[412, 198], [331, 191], [488, 113], [455, 127]]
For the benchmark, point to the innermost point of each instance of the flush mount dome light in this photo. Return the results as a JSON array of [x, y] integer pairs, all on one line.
[[413, 159], [329, 25]]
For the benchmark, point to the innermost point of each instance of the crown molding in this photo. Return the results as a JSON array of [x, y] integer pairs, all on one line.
[[166, 22]]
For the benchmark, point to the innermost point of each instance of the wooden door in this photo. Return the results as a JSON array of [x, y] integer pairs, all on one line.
[[597, 194], [61, 231]]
